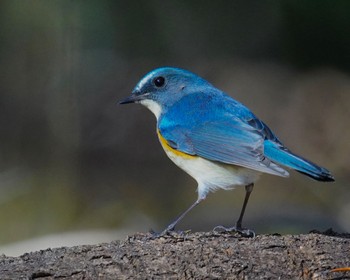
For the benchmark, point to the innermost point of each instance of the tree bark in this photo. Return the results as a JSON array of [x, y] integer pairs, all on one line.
[[209, 255]]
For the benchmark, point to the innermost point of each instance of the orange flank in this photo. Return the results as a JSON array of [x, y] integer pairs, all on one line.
[[341, 269], [168, 148]]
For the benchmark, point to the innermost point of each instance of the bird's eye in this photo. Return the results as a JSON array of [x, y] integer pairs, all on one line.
[[159, 81]]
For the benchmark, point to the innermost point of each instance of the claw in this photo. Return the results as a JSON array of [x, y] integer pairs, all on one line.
[[167, 233], [243, 232], [155, 235]]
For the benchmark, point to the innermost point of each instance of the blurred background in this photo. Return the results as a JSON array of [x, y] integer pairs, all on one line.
[[75, 167]]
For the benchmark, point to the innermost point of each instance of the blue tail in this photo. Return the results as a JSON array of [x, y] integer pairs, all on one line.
[[281, 155]]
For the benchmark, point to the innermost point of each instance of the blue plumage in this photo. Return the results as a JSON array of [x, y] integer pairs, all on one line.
[[227, 143], [281, 155], [212, 125]]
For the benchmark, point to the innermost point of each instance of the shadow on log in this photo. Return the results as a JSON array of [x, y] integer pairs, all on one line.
[[199, 255]]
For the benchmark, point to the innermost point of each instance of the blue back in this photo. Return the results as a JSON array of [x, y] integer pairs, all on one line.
[[198, 119]]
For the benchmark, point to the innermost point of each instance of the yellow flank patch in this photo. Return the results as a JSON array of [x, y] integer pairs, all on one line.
[[168, 148]]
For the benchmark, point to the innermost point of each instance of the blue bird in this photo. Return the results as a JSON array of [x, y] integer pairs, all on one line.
[[214, 138]]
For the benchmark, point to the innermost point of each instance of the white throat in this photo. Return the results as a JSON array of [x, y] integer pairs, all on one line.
[[153, 106]]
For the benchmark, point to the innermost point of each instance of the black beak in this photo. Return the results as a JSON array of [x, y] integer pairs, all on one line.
[[134, 97], [130, 99]]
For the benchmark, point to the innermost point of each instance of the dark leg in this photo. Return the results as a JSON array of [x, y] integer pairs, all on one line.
[[238, 227], [248, 191], [171, 227]]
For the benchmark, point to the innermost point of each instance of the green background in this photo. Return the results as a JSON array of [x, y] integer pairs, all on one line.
[[72, 159]]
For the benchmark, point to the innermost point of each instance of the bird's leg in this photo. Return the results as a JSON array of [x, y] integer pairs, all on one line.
[[248, 191], [171, 227], [238, 227]]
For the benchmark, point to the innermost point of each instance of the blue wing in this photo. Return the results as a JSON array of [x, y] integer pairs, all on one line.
[[218, 129], [228, 144]]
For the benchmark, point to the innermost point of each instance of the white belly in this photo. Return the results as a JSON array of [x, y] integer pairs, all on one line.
[[209, 175], [212, 175]]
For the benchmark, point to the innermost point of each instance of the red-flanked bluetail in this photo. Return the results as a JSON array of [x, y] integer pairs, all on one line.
[[214, 138]]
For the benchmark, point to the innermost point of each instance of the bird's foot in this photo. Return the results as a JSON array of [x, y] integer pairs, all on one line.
[[242, 231], [168, 233]]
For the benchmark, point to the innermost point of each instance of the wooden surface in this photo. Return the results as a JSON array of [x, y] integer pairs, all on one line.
[[208, 255]]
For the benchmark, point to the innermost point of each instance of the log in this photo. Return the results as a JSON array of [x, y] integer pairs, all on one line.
[[201, 255]]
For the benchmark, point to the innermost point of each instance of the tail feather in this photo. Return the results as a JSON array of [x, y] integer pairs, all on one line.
[[281, 155]]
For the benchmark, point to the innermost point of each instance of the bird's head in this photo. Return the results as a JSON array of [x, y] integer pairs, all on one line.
[[162, 87]]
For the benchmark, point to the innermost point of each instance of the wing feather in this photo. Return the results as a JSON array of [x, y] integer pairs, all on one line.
[[212, 125], [234, 142]]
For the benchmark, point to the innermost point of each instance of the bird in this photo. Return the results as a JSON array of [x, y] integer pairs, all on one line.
[[214, 138]]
